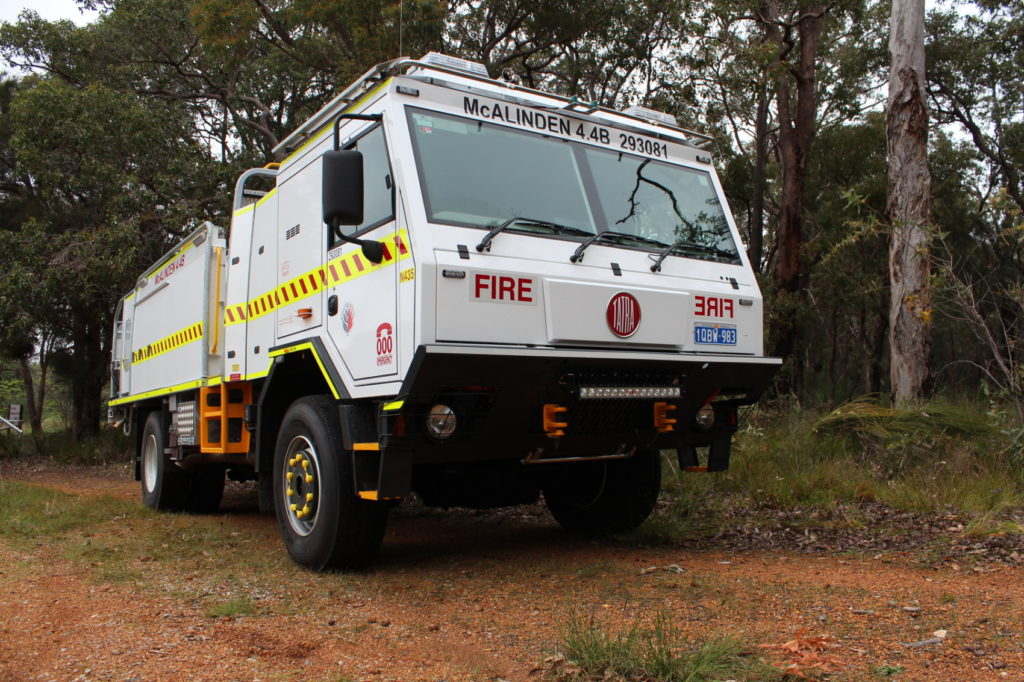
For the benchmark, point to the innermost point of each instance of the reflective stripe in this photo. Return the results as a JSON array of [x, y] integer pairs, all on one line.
[[156, 393], [338, 271], [168, 343]]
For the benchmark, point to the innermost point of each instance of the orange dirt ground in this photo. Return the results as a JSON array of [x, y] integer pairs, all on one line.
[[485, 596]]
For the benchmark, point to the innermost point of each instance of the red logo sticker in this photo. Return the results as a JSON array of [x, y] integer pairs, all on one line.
[[385, 344], [623, 314]]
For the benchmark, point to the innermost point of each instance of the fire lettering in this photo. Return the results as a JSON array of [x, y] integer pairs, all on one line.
[[503, 288], [712, 306]]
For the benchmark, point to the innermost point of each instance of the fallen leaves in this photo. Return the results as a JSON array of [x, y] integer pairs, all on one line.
[[805, 656]]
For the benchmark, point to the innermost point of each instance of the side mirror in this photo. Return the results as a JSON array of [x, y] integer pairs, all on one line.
[[342, 196]]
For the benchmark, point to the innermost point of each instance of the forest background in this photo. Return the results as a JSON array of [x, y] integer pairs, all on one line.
[[119, 137]]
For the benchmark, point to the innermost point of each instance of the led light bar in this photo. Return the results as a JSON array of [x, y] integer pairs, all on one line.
[[629, 392], [449, 62], [651, 115]]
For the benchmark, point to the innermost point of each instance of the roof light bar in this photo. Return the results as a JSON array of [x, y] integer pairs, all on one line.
[[449, 62], [628, 392], [652, 115]]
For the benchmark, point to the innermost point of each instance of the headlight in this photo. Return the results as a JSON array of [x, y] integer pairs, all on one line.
[[441, 421], [705, 417]]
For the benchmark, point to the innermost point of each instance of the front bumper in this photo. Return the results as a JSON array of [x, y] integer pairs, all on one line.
[[499, 396]]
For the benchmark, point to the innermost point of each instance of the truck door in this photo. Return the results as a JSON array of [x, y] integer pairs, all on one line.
[[365, 327]]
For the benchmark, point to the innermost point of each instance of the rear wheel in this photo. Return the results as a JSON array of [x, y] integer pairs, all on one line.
[[597, 498], [164, 485], [323, 522]]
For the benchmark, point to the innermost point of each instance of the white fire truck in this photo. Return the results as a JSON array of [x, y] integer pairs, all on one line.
[[452, 286]]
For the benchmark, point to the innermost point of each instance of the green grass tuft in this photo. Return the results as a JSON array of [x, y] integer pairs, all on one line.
[[654, 650], [231, 608]]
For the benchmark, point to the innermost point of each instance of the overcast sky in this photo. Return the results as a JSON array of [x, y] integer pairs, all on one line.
[[47, 9]]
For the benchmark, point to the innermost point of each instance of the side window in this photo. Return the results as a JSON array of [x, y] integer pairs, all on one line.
[[378, 187]]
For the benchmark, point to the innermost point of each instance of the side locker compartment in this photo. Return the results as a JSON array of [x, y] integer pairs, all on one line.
[[239, 256], [171, 337], [262, 284], [300, 250]]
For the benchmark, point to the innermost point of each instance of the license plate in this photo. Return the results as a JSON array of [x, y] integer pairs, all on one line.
[[718, 336]]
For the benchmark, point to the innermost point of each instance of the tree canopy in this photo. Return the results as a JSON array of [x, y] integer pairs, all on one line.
[[119, 136]]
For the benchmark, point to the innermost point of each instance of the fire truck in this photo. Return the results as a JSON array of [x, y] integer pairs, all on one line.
[[451, 286]]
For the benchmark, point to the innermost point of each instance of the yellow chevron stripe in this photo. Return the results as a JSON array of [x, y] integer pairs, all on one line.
[[168, 343], [338, 271]]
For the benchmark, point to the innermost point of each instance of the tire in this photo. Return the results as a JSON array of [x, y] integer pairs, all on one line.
[[324, 524], [206, 489], [164, 485], [598, 498]]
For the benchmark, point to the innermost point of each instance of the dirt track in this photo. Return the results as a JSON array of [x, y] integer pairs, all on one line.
[[480, 596]]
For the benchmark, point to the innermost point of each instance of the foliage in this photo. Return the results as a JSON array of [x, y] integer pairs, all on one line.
[[108, 446], [124, 133], [863, 464]]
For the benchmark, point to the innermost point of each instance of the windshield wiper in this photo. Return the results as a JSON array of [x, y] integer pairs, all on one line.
[[613, 236], [485, 243], [691, 246]]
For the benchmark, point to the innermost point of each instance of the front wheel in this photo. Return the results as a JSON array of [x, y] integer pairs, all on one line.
[[323, 522], [601, 497]]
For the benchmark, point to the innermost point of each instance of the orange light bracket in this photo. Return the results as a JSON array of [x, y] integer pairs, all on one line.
[[662, 422], [553, 427]]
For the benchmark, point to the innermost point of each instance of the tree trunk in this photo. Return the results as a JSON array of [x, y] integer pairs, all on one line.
[[755, 250], [909, 203], [88, 372], [34, 409], [797, 106]]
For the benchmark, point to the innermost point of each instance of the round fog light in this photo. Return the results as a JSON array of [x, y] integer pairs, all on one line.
[[441, 421], [705, 417]]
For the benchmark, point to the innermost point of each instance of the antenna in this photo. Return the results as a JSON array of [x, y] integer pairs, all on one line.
[[401, 25]]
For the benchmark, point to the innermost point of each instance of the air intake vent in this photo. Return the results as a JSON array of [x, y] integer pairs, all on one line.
[[292, 231]]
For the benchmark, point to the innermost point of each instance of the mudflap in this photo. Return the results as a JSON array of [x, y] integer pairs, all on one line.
[[719, 450]]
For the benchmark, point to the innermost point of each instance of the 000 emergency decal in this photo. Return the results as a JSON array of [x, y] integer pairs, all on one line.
[[337, 271]]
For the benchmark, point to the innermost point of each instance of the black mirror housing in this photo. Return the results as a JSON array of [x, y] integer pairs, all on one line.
[[342, 197]]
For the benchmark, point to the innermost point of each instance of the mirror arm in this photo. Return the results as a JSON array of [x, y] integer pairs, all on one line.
[[372, 249], [357, 117]]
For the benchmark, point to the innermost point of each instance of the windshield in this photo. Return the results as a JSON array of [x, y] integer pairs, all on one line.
[[479, 174]]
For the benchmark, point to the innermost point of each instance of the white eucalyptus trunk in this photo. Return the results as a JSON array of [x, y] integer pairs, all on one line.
[[909, 203]]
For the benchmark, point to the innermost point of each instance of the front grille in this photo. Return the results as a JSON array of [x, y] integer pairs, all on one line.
[[608, 416]]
